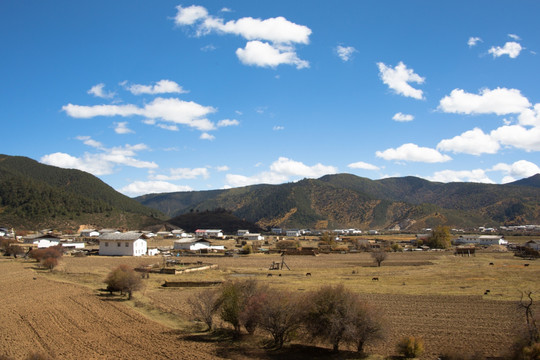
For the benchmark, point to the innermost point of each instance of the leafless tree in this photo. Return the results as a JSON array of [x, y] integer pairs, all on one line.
[[379, 256], [204, 305]]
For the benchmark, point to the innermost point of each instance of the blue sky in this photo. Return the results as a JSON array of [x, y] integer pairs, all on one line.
[[160, 96]]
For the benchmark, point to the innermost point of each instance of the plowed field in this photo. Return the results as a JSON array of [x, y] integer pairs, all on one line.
[[67, 321]]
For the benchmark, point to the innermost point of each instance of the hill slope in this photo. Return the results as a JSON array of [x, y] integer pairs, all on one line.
[[346, 200], [34, 195]]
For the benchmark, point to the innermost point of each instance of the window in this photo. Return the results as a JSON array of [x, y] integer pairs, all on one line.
[[118, 244], [127, 244], [106, 244]]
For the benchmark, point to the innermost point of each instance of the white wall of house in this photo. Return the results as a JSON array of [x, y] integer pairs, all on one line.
[[123, 247]]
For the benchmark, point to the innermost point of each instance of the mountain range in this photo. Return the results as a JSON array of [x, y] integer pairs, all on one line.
[[34, 195], [345, 200]]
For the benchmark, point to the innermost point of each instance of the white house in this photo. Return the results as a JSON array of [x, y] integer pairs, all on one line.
[[195, 244], [293, 233], [122, 244], [254, 237], [485, 240], [209, 233], [242, 232], [90, 233]]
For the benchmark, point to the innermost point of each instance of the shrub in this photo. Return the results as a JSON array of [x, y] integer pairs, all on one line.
[[410, 347], [49, 263], [123, 279]]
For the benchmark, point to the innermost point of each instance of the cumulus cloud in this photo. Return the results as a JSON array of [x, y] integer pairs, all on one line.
[[473, 142], [363, 165], [161, 87], [137, 188], [402, 117], [270, 41], [477, 175], [518, 136], [99, 91], [183, 173], [121, 128], [500, 101], [207, 136], [530, 117], [222, 168], [518, 170], [172, 110], [281, 170], [228, 122], [511, 48], [103, 162], [413, 152], [473, 41], [398, 79], [263, 54], [345, 52]]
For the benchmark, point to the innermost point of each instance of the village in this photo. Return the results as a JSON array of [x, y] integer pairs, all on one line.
[[115, 242]]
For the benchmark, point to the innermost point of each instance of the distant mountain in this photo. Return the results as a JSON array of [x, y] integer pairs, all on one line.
[[346, 200], [215, 219], [531, 181], [34, 195]]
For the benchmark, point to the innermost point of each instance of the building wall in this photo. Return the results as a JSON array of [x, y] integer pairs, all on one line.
[[122, 247]]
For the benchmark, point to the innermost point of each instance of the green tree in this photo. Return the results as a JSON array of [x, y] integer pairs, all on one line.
[[440, 238]]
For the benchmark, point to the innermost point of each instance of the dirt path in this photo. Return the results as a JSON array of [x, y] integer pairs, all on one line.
[[66, 321]]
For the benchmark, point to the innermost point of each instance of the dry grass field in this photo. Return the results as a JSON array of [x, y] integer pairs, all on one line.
[[434, 295]]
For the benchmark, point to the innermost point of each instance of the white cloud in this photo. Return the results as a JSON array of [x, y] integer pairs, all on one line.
[[151, 187], [278, 128], [189, 15], [121, 128], [412, 152], [500, 101], [161, 87], [514, 36], [398, 79], [473, 142], [345, 52], [518, 136], [263, 54], [270, 41], [208, 47], [511, 48], [207, 136], [477, 175], [402, 117], [98, 91], [228, 122], [363, 165], [101, 163], [518, 170], [172, 110], [183, 173], [280, 171], [530, 117], [473, 41], [222, 168]]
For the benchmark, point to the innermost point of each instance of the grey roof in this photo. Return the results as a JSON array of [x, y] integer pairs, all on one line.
[[128, 236]]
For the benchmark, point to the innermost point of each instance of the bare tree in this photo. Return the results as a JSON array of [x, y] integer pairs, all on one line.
[[379, 256], [204, 305], [532, 328]]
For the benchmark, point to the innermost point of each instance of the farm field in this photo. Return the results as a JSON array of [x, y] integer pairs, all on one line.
[[434, 295]]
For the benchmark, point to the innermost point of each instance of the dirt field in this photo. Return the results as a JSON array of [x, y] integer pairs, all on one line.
[[67, 321], [437, 296]]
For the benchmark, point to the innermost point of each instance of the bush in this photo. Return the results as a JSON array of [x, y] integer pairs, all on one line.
[[123, 279], [51, 252], [49, 263], [204, 305], [410, 347], [335, 314]]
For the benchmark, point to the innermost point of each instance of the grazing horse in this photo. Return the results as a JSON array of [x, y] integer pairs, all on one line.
[[308, 274], [268, 275], [375, 279]]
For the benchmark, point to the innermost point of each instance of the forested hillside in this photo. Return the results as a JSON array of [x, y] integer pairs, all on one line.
[[346, 200], [36, 195]]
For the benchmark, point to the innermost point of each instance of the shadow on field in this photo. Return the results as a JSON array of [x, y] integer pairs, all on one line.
[[253, 347]]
